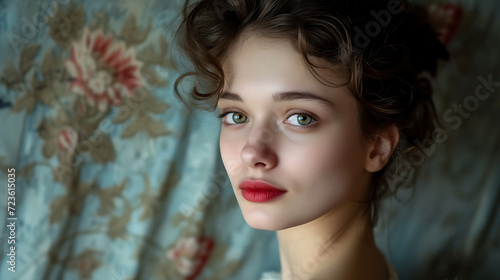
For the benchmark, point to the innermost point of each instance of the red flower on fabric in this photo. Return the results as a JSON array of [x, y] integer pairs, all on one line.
[[67, 139], [445, 18], [190, 255], [103, 69]]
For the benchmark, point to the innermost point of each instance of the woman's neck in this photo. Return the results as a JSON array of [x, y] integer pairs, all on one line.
[[333, 246]]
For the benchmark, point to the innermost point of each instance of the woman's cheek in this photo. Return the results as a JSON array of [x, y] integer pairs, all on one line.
[[228, 154]]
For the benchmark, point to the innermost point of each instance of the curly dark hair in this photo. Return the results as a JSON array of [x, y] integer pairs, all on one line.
[[386, 48]]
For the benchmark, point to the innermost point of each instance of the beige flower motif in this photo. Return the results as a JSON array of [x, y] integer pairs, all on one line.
[[59, 136], [67, 139], [65, 25]]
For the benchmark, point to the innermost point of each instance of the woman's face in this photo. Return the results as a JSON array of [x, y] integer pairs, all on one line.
[[312, 148]]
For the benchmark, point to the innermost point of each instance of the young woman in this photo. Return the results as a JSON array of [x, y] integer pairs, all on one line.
[[320, 102]]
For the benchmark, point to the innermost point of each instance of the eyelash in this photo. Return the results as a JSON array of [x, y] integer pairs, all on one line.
[[222, 115]]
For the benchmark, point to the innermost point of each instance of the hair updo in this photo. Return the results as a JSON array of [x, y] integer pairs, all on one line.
[[384, 48]]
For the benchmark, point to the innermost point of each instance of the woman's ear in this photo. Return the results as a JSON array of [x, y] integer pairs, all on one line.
[[380, 148]]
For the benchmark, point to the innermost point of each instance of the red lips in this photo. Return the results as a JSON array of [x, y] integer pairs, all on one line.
[[258, 191]]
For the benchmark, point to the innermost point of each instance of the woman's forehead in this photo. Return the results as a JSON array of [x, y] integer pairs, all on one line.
[[259, 58]]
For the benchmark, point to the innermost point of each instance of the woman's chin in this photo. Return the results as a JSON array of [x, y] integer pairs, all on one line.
[[258, 221], [263, 226], [263, 222]]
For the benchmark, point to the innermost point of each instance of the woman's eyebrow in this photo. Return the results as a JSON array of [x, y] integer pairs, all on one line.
[[282, 96]]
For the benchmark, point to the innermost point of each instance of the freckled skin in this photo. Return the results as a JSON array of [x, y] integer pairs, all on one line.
[[320, 166], [323, 166]]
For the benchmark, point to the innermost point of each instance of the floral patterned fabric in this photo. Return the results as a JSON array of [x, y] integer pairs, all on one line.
[[117, 179]]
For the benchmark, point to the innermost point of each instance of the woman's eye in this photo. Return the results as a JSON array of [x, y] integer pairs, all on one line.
[[234, 117], [298, 119], [301, 119]]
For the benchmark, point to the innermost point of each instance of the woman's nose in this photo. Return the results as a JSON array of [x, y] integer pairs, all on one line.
[[258, 150]]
